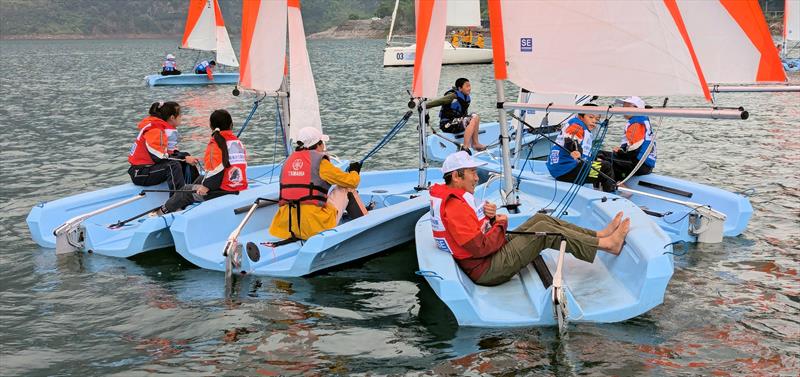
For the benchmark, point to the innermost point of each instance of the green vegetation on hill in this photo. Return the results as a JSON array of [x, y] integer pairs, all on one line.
[[116, 17]]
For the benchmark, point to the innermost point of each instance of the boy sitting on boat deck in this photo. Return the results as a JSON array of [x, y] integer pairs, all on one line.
[[476, 236], [454, 118], [635, 142], [314, 193]]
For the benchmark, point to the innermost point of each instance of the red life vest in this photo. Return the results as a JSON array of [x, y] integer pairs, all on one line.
[[300, 180], [234, 177], [140, 150], [439, 194]]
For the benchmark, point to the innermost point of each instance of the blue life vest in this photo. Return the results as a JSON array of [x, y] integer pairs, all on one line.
[[201, 68], [457, 109], [640, 145], [560, 162]]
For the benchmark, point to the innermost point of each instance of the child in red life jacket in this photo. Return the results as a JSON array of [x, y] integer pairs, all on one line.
[[226, 163], [150, 155]]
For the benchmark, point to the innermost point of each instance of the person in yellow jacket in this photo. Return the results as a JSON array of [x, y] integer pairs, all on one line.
[[313, 192], [480, 42], [454, 38]]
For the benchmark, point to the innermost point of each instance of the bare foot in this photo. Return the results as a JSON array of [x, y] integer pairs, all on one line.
[[617, 239], [479, 147], [612, 226]]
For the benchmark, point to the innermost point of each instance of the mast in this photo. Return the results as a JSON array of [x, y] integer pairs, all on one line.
[[391, 26]]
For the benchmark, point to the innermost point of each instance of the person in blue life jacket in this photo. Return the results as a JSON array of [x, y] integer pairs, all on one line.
[[170, 66], [635, 142], [454, 116], [574, 144], [207, 68]]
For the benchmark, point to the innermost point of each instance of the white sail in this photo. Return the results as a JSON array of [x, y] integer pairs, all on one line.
[[431, 17], [225, 54], [723, 33], [303, 102], [463, 13], [611, 48], [263, 45], [200, 30]]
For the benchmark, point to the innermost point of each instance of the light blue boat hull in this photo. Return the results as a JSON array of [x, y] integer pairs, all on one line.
[[438, 148], [192, 79], [611, 289], [791, 65], [673, 218], [200, 235], [138, 236]]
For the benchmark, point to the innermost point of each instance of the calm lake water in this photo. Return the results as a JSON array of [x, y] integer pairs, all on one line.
[[68, 113]]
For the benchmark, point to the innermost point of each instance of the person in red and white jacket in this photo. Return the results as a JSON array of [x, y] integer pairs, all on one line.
[[226, 161], [476, 235]]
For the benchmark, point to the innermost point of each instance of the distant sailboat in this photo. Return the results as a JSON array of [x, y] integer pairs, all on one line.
[[205, 31], [462, 13]]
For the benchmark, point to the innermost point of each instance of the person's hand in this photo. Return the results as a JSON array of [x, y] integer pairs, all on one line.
[[201, 190], [615, 149], [354, 166], [489, 209], [191, 160], [575, 154], [501, 218]]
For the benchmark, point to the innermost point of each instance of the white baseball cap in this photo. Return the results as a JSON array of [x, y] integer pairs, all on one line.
[[310, 136], [635, 101], [170, 56], [459, 160]]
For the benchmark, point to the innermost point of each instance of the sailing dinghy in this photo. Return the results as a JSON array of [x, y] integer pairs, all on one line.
[[215, 238], [611, 288], [466, 14], [791, 33], [205, 31]]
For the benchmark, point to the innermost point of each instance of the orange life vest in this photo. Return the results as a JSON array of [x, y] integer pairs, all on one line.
[[439, 194], [300, 180], [141, 149], [234, 177]]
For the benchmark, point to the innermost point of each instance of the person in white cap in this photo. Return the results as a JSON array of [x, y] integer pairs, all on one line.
[[476, 235], [635, 141], [170, 67], [313, 192]]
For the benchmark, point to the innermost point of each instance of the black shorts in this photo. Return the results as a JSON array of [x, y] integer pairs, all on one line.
[[457, 125]]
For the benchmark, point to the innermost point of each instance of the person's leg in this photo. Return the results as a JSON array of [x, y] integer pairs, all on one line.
[[180, 200], [644, 170], [337, 197], [523, 249], [539, 217], [573, 174], [473, 132]]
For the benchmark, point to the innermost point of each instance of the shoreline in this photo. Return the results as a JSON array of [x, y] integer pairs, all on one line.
[[58, 37]]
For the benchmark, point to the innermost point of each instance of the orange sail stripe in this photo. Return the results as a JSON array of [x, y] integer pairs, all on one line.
[[195, 10], [672, 6], [218, 21], [294, 3], [498, 43], [249, 19], [424, 16], [749, 17]]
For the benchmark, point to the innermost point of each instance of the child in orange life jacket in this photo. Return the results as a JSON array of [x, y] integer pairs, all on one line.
[[636, 140], [187, 161], [321, 189], [476, 235], [149, 155], [226, 161]]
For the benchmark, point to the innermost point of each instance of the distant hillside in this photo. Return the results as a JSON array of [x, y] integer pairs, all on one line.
[[99, 18]]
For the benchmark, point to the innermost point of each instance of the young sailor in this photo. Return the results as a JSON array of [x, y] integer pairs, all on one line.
[[573, 146], [170, 67], [173, 138], [454, 116], [635, 141], [149, 156], [476, 235], [206, 67], [313, 193], [226, 161]]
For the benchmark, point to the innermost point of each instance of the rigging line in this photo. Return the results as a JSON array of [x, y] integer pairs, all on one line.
[[250, 116], [649, 147], [389, 136]]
